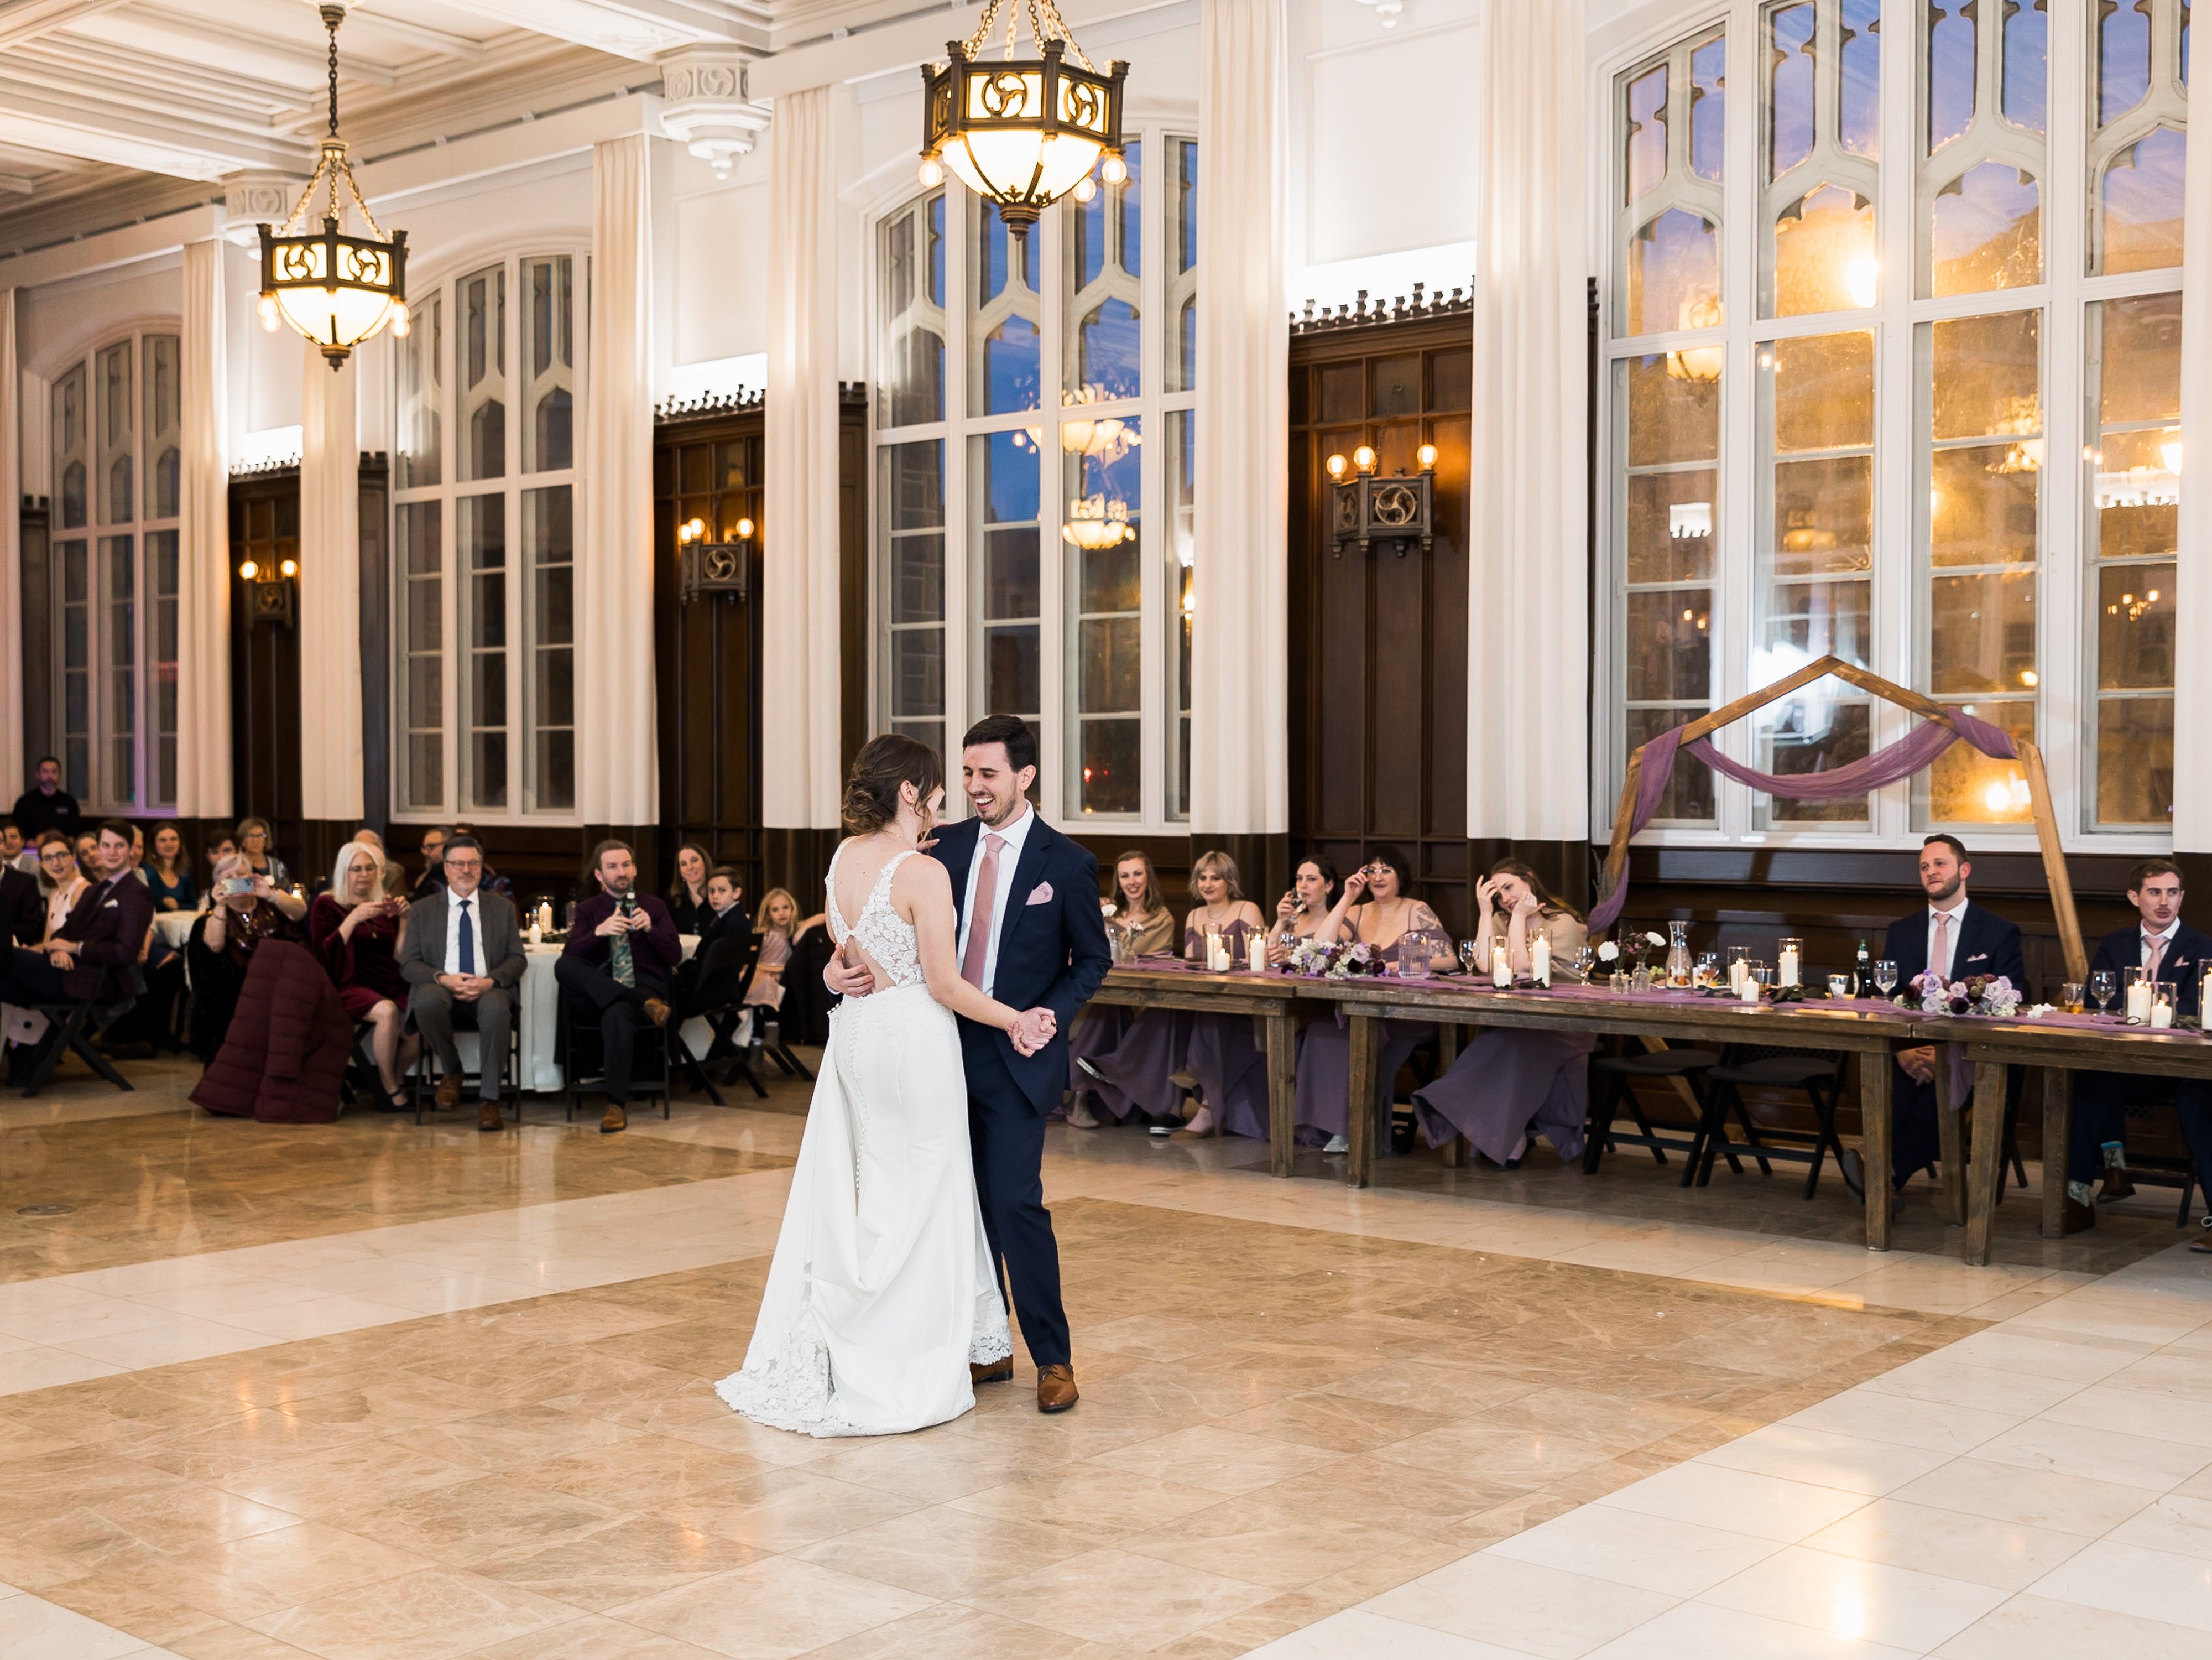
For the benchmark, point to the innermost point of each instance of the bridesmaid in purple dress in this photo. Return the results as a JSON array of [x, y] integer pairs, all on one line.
[[1095, 1046], [1507, 1087], [1389, 912], [1218, 1052]]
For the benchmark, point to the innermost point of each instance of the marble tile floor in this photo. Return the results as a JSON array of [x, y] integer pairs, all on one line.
[[2039, 1489], [1278, 1423]]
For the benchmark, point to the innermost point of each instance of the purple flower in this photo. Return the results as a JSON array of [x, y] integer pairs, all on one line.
[[1959, 1004]]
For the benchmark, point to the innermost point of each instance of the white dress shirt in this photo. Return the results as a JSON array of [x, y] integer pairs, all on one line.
[[2145, 934], [454, 903], [1958, 916], [1013, 836]]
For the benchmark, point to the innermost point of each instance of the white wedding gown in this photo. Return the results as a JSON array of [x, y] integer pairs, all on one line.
[[882, 1291]]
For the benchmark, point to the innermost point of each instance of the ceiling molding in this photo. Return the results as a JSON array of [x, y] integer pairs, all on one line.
[[26, 20], [640, 30]]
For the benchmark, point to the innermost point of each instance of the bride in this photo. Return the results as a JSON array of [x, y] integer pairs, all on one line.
[[882, 1292]]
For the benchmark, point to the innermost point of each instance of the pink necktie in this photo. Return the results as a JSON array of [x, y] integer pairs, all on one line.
[[979, 922], [2153, 948], [1941, 964]]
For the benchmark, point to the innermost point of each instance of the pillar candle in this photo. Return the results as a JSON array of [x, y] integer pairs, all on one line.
[[2139, 1003], [2161, 1013], [1255, 952], [1787, 974], [1501, 968], [1539, 960], [1747, 989]]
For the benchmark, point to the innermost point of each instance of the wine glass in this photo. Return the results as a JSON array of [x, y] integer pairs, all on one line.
[[1885, 976], [1585, 963], [2103, 986], [1707, 971], [1470, 955]]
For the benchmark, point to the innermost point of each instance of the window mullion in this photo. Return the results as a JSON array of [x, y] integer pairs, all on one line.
[[1058, 703], [962, 593]]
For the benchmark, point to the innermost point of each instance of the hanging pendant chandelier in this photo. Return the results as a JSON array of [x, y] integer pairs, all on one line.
[[1022, 133], [337, 290]]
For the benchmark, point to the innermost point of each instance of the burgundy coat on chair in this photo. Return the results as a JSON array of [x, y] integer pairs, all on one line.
[[285, 1054]]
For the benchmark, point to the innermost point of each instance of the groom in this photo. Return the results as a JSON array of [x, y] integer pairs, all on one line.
[[1030, 935]]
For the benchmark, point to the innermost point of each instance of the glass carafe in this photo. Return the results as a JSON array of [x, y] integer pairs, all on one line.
[[1678, 954]]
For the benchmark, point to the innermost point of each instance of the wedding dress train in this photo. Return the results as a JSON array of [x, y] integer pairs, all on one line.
[[882, 1291]]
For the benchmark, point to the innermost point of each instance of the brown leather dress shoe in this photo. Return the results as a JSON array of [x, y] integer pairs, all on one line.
[[995, 1372], [2077, 1217], [449, 1094], [656, 1011], [1056, 1388], [488, 1116], [616, 1119], [2118, 1185]]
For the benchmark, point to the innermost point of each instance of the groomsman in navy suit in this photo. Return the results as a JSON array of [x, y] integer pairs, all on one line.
[[2168, 950], [1959, 941]]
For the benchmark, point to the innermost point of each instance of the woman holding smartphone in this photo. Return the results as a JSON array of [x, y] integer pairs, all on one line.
[[355, 929]]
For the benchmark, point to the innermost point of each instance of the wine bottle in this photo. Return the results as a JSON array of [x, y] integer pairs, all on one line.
[[1862, 976]]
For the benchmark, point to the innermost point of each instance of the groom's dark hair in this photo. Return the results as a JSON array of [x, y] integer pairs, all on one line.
[[1008, 729]]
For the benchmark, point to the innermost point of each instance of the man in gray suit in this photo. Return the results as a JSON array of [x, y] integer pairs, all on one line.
[[464, 957]]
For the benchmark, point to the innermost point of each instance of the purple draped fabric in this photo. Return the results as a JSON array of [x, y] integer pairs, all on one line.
[[1916, 749]]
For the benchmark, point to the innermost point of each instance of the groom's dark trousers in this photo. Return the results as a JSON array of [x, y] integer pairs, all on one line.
[[1052, 954]]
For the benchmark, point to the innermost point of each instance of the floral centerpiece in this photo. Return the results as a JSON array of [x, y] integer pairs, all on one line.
[[1343, 960], [1630, 947], [1994, 995]]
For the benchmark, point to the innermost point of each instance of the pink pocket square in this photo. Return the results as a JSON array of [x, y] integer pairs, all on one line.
[[1041, 894]]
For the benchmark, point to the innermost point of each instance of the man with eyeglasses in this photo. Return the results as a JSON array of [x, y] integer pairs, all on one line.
[[463, 955], [434, 866]]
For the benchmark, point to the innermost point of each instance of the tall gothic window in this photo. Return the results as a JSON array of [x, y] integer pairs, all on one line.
[[117, 448], [1031, 400], [1855, 341], [484, 492]]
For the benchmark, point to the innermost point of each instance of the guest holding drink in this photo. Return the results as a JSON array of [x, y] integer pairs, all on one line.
[[1305, 908], [1508, 1088], [1378, 909], [354, 927], [1138, 911]]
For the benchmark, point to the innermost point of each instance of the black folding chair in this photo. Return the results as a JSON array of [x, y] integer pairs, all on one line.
[[1613, 1088], [72, 1027], [423, 1075], [711, 986], [1819, 1073], [652, 1060]]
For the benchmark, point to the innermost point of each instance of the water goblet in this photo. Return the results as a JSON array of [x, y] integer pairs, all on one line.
[[2104, 986], [1839, 985], [1885, 976], [1585, 963]]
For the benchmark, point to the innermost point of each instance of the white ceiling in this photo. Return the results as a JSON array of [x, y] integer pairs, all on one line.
[[116, 109]]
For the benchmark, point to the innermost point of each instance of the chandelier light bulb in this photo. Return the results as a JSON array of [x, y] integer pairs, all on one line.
[[1364, 459], [931, 172], [745, 530], [1428, 458], [289, 567], [270, 315], [1086, 189], [1113, 170], [400, 323], [248, 571], [1336, 466]]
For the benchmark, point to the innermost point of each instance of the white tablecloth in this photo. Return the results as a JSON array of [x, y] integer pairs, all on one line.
[[175, 926], [540, 1013]]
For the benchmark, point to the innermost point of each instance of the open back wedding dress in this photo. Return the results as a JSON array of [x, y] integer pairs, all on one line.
[[882, 1291]]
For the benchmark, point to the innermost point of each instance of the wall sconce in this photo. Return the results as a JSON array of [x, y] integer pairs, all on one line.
[[272, 593], [1370, 509], [710, 568]]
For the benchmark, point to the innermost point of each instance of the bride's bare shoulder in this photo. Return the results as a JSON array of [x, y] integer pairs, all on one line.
[[921, 877]]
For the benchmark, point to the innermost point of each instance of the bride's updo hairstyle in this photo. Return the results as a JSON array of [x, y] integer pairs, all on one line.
[[872, 788]]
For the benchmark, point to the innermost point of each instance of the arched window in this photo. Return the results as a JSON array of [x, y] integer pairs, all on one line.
[[1015, 569], [484, 487], [117, 459]]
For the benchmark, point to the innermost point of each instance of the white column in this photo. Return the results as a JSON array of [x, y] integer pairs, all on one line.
[[12, 417], [1240, 579], [800, 778], [1527, 552], [330, 595], [618, 779], [204, 762], [2192, 644]]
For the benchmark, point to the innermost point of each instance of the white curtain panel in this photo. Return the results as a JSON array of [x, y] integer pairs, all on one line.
[[1240, 706], [204, 546], [11, 547], [618, 748], [801, 782], [2192, 671], [330, 595], [1527, 555]]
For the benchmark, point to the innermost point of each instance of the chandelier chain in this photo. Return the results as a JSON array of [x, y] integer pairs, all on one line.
[[1045, 24], [330, 23]]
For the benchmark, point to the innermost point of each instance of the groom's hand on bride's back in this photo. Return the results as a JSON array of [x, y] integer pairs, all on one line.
[[847, 980]]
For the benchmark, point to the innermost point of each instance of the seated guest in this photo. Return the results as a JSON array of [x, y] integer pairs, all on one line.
[[1221, 1061], [618, 964], [1301, 910], [1509, 1087], [724, 913], [779, 929], [47, 805], [2167, 949], [462, 952], [493, 881], [1222, 905], [22, 909], [1958, 941], [434, 864], [255, 841], [216, 851], [95, 952], [1139, 910], [245, 910], [1102, 1031], [355, 929], [138, 852], [1378, 909], [168, 873], [59, 880], [11, 840], [687, 894], [394, 882], [86, 847]]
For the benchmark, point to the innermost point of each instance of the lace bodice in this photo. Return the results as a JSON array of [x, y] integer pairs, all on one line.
[[889, 941]]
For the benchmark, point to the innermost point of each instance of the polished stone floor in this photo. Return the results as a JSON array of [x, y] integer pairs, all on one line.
[[367, 1391]]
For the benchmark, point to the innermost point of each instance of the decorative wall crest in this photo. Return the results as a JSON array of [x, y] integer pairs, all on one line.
[[706, 108]]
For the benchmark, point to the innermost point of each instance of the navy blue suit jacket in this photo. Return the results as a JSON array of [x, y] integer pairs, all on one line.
[[2187, 955], [1051, 952], [1986, 944]]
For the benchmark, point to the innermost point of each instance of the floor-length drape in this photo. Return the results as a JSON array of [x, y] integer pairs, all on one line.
[[203, 769], [2192, 644], [330, 595], [1240, 700], [1527, 553], [800, 717], [11, 544], [617, 753]]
